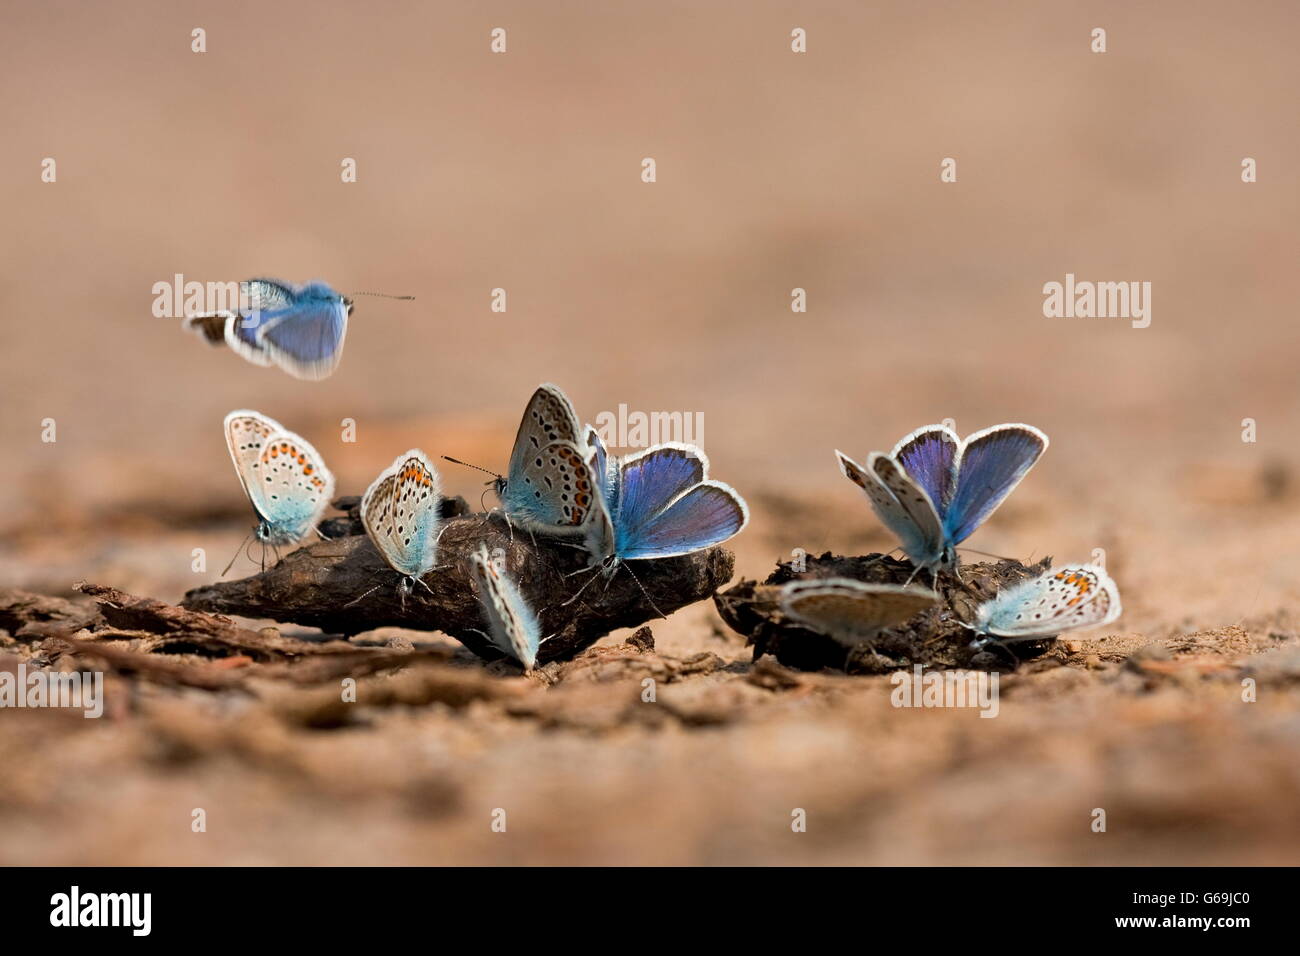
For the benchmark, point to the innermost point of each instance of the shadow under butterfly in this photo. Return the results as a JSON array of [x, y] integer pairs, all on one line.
[[299, 328]]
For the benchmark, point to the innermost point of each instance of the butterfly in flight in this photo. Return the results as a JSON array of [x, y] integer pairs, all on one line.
[[299, 328]]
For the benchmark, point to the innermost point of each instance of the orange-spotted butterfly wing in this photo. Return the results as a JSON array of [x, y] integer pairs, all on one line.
[[284, 477], [292, 490], [1063, 599], [400, 513], [549, 486]]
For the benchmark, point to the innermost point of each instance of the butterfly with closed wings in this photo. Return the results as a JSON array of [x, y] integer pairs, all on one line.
[[284, 477], [300, 328], [512, 625], [1066, 598], [400, 512], [850, 611]]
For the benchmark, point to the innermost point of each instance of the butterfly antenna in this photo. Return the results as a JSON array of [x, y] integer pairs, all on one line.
[[986, 554], [644, 592], [364, 596], [236, 554], [457, 461], [385, 295]]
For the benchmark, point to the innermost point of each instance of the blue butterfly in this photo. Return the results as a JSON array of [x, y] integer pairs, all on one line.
[[284, 477], [933, 490], [657, 503], [300, 328]]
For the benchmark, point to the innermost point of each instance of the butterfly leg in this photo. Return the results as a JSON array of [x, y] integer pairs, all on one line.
[[581, 589], [1015, 661]]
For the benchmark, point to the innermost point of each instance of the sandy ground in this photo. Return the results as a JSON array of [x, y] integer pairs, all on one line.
[[775, 171]]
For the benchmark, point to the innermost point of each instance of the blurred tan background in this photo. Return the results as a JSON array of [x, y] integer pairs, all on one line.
[[775, 171]]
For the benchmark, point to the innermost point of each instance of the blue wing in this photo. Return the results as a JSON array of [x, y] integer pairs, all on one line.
[[708, 514], [306, 340], [665, 507], [652, 479], [990, 464], [928, 455]]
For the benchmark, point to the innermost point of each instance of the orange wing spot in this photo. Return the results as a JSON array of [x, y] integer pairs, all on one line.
[[307, 469], [275, 453], [1072, 602]]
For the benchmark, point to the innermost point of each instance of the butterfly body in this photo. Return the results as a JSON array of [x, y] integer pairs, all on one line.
[[512, 625], [283, 476], [1062, 599], [300, 328], [852, 611], [934, 489], [400, 512]]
